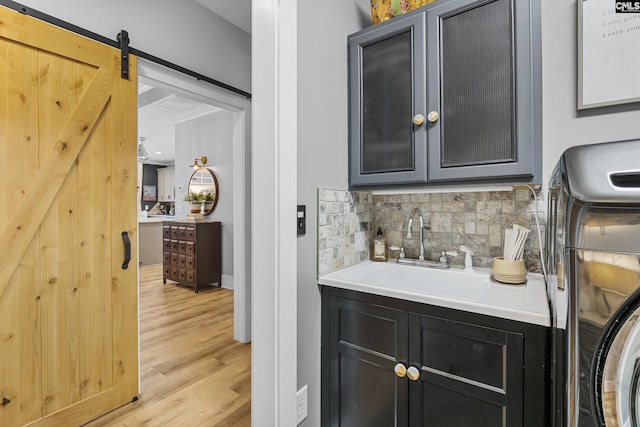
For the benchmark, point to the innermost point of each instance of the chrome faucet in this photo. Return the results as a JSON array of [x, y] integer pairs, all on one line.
[[409, 226]]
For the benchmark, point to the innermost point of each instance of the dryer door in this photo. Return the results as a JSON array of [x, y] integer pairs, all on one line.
[[616, 369], [603, 300]]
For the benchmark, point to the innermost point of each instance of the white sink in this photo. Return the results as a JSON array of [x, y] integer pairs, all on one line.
[[454, 288], [450, 283]]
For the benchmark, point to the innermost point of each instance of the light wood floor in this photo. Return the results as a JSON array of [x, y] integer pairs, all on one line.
[[193, 373]]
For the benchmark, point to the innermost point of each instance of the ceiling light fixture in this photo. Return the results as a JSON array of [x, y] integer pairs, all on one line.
[[143, 154]]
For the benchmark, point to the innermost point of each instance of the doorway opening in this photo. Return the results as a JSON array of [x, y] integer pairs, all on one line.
[[191, 368], [232, 166], [237, 109]]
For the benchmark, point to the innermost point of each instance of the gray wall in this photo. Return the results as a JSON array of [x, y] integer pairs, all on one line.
[[182, 32], [322, 122], [212, 136], [563, 126], [322, 156]]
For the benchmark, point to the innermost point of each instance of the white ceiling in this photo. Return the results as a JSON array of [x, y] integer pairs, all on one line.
[[156, 119], [238, 12], [158, 113]]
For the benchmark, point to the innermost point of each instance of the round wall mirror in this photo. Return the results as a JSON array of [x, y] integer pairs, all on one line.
[[204, 183]]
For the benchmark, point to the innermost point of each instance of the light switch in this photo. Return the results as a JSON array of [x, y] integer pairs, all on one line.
[[302, 220]]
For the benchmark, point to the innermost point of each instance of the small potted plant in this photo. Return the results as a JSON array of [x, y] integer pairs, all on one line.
[[196, 201], [209, 198]]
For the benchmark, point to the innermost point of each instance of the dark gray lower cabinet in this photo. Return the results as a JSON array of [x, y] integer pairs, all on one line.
[[468, 369], [368, 341]]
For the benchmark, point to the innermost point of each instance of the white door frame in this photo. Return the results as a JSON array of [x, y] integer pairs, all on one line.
[[274, 245], [241, 108]]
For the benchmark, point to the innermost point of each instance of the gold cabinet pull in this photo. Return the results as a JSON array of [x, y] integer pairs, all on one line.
[[400, 370], [433, 116], [413, 373], [418, 119]]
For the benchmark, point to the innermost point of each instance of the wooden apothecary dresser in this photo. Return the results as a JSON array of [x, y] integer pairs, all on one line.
[[192, 253]]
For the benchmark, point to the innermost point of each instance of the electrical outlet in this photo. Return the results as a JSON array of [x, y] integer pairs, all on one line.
[[301, 405]]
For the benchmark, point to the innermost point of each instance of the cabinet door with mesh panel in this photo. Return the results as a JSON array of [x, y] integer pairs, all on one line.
[[387, 90], [483, 86]]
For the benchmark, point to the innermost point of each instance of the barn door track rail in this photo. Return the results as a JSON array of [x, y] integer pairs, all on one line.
[[122, 43]]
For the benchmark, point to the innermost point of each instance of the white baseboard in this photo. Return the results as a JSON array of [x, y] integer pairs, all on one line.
[[227, 281]]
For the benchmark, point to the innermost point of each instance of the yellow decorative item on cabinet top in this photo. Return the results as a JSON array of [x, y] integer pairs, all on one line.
[[382, 10]]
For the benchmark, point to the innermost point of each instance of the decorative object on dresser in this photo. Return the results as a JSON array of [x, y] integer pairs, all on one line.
[[192, 253], [195, 199]]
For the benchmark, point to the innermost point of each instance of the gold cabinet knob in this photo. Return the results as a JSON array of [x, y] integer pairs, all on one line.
[[433, 116], [413, 373], [418, 119], [400, 370]]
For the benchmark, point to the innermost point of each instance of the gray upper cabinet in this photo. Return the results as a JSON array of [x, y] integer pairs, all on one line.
[[449, 93], [387, 89]]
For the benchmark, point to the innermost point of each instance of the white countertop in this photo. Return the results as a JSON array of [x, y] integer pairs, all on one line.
[[453, 288]]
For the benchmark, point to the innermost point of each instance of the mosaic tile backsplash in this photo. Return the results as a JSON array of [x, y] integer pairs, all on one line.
[[476, 220], [347, 221], [344, 228]]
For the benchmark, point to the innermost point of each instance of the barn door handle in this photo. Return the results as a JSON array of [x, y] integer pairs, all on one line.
[[127, 250]]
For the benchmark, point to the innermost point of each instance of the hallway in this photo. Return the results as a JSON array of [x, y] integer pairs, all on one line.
[[192, 371]]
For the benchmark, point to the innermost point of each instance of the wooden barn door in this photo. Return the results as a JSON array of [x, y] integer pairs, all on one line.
[[68, 309]]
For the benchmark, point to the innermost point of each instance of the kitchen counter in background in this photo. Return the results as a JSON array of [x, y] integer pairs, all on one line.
[[156, 219], [150, 239], [150, 220]]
